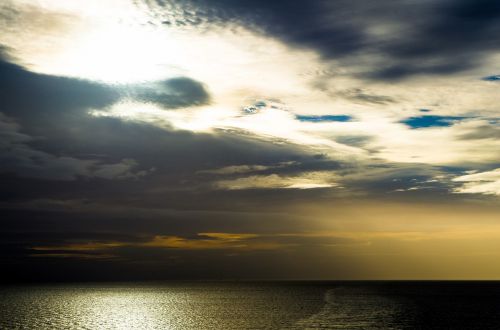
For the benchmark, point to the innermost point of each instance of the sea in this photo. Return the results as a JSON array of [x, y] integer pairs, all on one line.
[[252, 305]]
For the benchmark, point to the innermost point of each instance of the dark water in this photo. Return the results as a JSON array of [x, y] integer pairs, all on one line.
[[268, 305]]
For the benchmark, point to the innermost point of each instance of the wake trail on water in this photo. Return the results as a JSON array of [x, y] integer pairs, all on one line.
[[353, 308]]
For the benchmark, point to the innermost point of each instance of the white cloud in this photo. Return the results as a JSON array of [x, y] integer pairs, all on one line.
[[119, 41], [480, 183], [236, 169], [306, 180]]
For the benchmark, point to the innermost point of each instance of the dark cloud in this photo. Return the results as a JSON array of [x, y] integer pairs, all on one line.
[[457, 26], [18, 157], [173, 93], [425, 37], [410, 67], [453, 36], [49, 100], [402, 181], [41, 109], [56, 151], [29, 95], [298, 22], [46, 122]]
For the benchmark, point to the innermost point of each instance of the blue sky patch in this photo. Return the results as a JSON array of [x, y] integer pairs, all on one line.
[[431, 121], [319, 119]]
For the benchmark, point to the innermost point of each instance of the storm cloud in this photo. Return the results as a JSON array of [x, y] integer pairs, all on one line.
[[426, 37]]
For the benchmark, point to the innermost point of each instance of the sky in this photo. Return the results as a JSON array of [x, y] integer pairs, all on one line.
[[250, 139]]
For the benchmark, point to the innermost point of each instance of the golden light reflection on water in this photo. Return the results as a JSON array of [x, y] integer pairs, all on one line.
[[124, 310], [264, 305], [173, 306]]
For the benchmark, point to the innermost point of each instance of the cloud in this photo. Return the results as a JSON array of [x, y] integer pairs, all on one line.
[[448, 28], [249, 91], [418, 38], [23, 92], [487, 183], [52, 119], [208, 241], [300, 23], [354, 140], [325, 118], [201, 241], [180, 92], [237, 169], [436, 141], [306, 180], [18, 157], [242, 242], [121, 170], [361, 96], [484, 128], [481, 132]]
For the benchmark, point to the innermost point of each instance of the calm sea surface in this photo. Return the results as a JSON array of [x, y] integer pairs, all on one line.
[[267, 305]]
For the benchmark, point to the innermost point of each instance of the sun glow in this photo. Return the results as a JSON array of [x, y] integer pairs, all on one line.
[[120, 54], [109, 41]]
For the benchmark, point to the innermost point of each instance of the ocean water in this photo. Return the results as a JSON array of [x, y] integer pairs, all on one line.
[[252, 305]]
